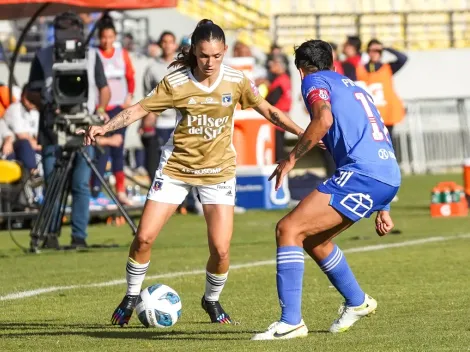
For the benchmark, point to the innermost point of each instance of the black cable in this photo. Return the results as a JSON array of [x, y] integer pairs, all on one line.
[[24, 249]]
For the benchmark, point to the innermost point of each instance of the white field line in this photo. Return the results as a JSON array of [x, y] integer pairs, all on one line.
[[40, 291]]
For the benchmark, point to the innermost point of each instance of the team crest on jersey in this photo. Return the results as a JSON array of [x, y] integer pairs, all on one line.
[[226, 99], [323, 94]]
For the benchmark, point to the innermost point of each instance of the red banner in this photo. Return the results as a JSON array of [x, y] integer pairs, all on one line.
[[10, 9]]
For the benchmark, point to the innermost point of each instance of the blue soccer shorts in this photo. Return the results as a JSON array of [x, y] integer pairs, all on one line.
[[357, 196]]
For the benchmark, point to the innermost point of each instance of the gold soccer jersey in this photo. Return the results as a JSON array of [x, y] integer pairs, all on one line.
[[200, 150]]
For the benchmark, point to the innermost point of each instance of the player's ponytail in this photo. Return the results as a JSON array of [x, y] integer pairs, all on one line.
[[206, 30]]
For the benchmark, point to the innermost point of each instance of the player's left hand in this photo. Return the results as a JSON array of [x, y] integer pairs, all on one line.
[[282, 170], [383, 223]]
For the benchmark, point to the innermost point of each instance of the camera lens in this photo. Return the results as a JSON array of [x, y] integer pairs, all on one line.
[[72, 85]]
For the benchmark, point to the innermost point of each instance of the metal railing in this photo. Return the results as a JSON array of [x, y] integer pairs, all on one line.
[[435, 135], [411, 30]]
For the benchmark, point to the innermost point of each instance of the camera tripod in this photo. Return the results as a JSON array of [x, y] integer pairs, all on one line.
[[48, 224]]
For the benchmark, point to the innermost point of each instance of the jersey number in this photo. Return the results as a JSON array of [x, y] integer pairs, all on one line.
[[376, 133]]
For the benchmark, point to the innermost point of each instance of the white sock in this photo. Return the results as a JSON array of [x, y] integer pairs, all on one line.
[[214, 285], [135, 275]]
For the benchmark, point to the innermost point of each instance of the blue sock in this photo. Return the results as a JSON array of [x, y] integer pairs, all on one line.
[[290, 273], [338, 271]]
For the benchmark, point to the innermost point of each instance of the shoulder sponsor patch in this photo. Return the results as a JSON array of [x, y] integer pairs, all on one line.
[[254, 88]]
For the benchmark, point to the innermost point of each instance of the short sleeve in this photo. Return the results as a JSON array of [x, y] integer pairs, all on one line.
[[250, 96], [4, 131], [315, 88], [159, 99], [14, 119]]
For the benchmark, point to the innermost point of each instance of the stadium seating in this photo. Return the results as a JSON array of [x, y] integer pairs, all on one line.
[[234, 16], [433, 25]]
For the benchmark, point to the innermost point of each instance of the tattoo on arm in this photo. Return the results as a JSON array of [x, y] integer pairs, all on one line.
[[276, 119], [302, 148], [119, 121], [325, 107]]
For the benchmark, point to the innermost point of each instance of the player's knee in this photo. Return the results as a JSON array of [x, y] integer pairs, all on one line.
[[284, 230], [222, 254], [145, 239]]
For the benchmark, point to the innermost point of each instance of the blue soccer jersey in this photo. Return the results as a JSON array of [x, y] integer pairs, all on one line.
[[358, 139]]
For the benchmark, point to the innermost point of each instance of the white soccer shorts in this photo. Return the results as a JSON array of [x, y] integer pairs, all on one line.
[[165, 189]]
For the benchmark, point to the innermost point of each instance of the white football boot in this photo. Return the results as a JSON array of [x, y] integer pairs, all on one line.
[[282, 331], [349, 315]]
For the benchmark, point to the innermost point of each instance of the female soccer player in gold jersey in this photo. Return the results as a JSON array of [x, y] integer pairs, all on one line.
[[204, 92]]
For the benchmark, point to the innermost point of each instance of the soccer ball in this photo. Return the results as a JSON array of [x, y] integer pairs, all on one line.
[[158, 305]]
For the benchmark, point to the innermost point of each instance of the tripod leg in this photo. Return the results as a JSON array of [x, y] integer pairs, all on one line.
[[108, 189], [50, 211], [62, 196]]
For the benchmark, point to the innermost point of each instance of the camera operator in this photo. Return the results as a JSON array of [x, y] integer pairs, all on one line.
[[41, 79]]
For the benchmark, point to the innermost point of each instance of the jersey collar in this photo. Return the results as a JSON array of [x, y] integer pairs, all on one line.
[[203, 87]]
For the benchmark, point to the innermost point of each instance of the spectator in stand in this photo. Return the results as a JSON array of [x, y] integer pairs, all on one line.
[[155, 132], [279, 95], [275, 51], [336, 62], [128, 42], [119, 73], [22, 118], [153, 49], [352, 51], [379, 80]]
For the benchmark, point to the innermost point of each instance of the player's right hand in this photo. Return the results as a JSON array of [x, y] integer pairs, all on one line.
[[91, 133], [383, 223]]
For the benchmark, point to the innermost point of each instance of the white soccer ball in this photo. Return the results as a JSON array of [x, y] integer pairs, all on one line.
[[158, 305]]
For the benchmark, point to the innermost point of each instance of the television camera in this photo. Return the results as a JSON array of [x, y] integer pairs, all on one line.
[[70, 105]]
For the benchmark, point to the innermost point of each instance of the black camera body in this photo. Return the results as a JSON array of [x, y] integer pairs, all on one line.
[[70, 84]]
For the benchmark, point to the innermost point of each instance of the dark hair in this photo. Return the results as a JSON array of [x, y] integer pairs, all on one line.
[[314, 55], [354, 41], [165, 33], [372, 42], [26, 88], [334, 46], [206, 30], [106, 22], [68, 20]]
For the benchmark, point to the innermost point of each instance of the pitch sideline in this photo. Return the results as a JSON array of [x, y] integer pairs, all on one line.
[[371, 248]]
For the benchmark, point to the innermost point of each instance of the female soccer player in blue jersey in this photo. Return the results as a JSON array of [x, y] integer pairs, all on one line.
[[367, 178]]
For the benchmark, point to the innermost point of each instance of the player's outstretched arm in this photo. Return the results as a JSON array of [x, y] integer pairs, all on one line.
[[316, 130], [318, 127], [278, 118], [123, 119]]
